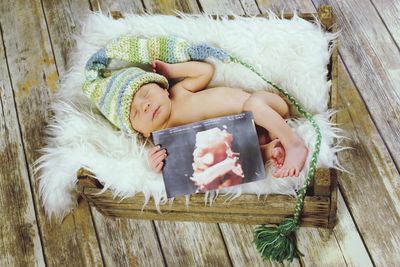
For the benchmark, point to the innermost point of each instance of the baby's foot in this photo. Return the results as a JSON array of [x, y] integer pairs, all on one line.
[[296, 155], [275, 152]]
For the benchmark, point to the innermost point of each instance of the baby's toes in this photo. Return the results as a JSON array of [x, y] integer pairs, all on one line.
[[275, 162], [282, 172], [286, 173], [292, 172], [277, 173]]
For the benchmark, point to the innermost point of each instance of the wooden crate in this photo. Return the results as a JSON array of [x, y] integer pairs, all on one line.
[[319, 205]]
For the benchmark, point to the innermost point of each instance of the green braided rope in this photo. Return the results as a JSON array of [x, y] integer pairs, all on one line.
[[278, 242]]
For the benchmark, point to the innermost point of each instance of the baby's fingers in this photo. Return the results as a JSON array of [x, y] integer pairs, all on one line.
[[159, 157], [154, 149], [157, 154], [156, 161], [159, 166]]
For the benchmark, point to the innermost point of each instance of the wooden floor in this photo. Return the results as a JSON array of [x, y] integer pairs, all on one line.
[[36, 37]]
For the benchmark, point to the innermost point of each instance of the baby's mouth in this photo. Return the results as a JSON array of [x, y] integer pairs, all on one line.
[[155, 112]]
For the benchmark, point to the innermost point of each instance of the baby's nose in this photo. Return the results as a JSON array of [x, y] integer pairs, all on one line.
[[146, 106]]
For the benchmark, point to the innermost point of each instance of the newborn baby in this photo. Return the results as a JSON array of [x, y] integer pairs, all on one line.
[[154, 108], [137, 101]]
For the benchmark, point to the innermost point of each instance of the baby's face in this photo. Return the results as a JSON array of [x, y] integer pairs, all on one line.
[[150, 109]]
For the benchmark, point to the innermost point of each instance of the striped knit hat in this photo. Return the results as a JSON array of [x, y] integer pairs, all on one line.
[[113, 95]]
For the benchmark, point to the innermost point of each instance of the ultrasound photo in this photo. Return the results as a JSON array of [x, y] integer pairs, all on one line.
[[210, 154]]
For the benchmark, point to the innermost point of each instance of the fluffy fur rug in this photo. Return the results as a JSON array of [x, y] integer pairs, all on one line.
[[293, 53]]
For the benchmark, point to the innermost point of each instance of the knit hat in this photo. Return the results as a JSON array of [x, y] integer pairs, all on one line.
[[113, 95], [113, 92]]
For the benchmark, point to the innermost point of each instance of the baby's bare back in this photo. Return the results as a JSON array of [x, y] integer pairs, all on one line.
[[210, 103]]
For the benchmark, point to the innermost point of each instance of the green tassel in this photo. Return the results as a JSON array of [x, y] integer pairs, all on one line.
[[277, 243]]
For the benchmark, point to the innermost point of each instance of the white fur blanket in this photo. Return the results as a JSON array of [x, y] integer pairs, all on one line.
[[292, 53]]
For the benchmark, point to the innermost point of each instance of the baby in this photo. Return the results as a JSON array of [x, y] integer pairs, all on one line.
[[154, 108]]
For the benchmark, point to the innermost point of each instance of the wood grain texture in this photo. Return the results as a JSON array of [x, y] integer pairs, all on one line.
[[320, 247], [64, 19], [349, 239], [389, 11], [106, 6], [247, 204], [373, 61], [20, 243], [168, 7], [128, 242], [303, 6], [224, 7], [192, 244], [371, 189], [34, 78]]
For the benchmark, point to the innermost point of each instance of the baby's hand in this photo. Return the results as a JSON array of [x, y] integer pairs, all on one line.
[[156, 157], [161, 68]]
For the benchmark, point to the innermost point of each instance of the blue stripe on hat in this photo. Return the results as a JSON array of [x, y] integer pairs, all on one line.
[[100, 57], [121, 95], [171, 50], [109, 86]]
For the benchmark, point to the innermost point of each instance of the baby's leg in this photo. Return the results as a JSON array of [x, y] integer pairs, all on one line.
[[277, 104], [267, 117]]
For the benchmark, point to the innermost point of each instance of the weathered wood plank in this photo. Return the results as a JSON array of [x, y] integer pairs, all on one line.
[[128, 242], [250, 7], [316, 244], [192, 244], [319, 247], [370, 189], [224, 7], [168, 7], [106, 6], [63, 20], [348, 238], [341, 247], [303, 6], [321, 242], [34, 78], [373, 61], [20, 243], [247, 204], [211, 218], [389, 11]]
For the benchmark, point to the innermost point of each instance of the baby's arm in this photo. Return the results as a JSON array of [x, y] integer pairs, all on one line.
[[196, 74]]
